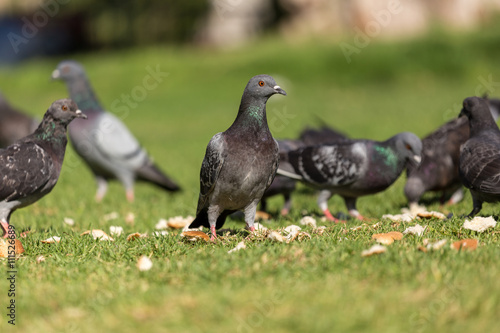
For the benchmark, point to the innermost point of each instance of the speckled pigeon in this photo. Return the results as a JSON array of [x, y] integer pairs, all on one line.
[[479, 167], [14, 124], [240, 163], [438, 170], [29, 168], [104, 142], [352, 168]]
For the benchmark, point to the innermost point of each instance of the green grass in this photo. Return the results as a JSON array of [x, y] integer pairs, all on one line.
[[317, 285]]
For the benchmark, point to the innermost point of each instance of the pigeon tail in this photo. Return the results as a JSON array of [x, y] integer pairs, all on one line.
[[150, 173], [201, 219]]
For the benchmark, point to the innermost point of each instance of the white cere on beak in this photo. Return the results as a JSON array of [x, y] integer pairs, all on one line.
[[417, 158], [276, 87], [55, 74]]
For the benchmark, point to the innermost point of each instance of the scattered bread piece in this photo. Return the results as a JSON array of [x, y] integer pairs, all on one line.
[[4, 247], [179, 222], [39, 259], [69, 221], [432, 214], [399, 217], [53, 239], [375, 249], [275, 236], [240, 246], [115, 231], [98, 234], [388, 238], [144, 264], [480, 224], [416, 230], [135, 236], [465, 244], [194, 236], [309, 221]]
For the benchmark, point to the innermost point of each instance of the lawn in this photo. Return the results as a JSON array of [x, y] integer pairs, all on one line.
[[321, 284]]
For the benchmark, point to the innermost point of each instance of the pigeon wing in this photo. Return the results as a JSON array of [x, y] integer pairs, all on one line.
[[115, 140], [336, 165], [211, 166], [24, 170], [480, 167]]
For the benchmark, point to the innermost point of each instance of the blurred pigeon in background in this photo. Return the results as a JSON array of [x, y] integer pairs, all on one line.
[[438, 170], [104, 142], [479, 167], [14, 124], [351, 168], [30, 168], [240, 163]]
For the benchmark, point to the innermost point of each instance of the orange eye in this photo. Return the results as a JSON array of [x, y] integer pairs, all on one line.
[[64, 108], [261, 83], [408, 147]]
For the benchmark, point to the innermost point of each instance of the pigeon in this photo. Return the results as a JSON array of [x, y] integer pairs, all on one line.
[[30, 168], [351, 168], [479, 166], [104, 142], [14, 124], [240, 163], [438, 170]]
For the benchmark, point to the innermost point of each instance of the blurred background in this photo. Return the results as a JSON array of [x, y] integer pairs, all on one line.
[[34, 28]]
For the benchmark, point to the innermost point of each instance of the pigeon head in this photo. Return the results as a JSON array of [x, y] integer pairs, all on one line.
[[478, 112], [64, 111], [68, 70], [262, 86], [409, 146]]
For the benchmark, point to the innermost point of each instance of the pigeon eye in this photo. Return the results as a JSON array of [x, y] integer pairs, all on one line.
[[261, 83], [64, 108], [408, 146]]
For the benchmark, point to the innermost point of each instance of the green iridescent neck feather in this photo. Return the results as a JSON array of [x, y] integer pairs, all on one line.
[[255, 113], [389, 157]]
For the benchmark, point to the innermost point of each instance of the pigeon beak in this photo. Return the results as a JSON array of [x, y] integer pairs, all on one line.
[[80, 114], [278, 90], [417, 159], [55, 74]]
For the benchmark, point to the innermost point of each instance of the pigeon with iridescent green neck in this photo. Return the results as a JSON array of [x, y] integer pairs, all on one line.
[[240, 163], [104, 142], [30, 168], [351, 168]]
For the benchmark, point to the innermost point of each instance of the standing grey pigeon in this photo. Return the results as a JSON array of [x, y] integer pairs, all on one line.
[[438, 170], [352, 168], [14, 124], [240, 163], [29, 168], [479, 167], [104, 142]]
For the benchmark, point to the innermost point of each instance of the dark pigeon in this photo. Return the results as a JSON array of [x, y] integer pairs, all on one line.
[[438, 171], [14, 124], [30, 168], [479, 167], [104, 142], [240, 163], [352, 169]]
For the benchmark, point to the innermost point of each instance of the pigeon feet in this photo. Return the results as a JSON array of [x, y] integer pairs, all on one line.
[[5, 228], [330, 217], [130, 195], [212, 231], [284, 212]]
